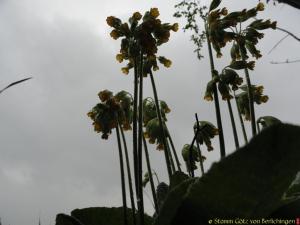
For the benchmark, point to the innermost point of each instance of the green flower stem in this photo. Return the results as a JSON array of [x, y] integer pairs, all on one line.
[[161, 125], [236, 139], [129, 175], [241, 120], [171, 158], [150, 175], [134, 121], [250, 96], [216, 98], [155, 174], [189, 166], [200, 156], [198, 146], [122, 177], [174, 150], [140, 142]]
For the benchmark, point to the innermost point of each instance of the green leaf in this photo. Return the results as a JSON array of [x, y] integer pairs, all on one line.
[[287, 211], [62, 219], [214, 4], [267, 121], [249, 183], [173, 202], [103, 216], [177, 178]]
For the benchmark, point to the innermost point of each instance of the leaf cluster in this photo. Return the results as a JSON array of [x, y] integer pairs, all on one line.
[[151, 122], [193, 11]]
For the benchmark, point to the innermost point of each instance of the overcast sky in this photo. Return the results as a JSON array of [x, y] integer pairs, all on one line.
[[51, 161]]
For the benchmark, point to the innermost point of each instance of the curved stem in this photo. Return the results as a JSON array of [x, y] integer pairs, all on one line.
[[174, 150], [250, 96], [122, 178], [241, 120], [236, 139], [171, 158], [129, 175], [155, 174], [140, 146], [150, 175], [216, 98], [161, 125]]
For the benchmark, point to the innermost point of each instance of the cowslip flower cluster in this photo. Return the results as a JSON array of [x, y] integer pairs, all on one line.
[[151, 122], [206, 132], [142, 34], [226, 81], [111, 111], [243, 99], [222, 28], [190, 160]]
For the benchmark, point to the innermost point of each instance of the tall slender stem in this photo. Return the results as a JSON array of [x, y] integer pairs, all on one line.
[[122, 178], [150, 175], [161, 125], [140, 143], [250, 96], [174, 150], [171, 158], [216, 98], [129, 176], [241, 120], [198, 146], [134, 121], [236, 139]]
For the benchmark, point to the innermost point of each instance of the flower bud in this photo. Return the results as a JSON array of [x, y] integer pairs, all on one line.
[[105, 95], [119, 58], [136, 16], [154, 12], [115, 34], [260, 7], [175, 27], [125, 70]]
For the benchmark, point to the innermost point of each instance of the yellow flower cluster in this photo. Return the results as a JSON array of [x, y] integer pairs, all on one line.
[[141, 37], [110, 111]]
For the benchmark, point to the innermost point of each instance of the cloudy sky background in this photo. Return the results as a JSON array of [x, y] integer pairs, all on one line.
[[51, 161]]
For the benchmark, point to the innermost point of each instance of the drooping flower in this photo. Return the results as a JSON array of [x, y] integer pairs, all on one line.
[[190, 156], [154, 133], [166, 62], [125, 70], [119, 58], [175, 27], [110, 111], [206, 132], [115, 34]]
